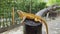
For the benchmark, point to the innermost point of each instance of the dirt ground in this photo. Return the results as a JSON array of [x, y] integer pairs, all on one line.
[[53, 25]]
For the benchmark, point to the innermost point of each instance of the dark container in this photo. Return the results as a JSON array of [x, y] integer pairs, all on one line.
[[32, 27]]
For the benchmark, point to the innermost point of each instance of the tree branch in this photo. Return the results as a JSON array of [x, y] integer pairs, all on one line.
[[51, 8]]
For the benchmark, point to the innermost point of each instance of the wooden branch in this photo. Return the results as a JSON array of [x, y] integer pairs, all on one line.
[[51, 8], [13, 15]]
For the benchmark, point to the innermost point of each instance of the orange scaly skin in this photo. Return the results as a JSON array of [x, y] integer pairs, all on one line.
[[32, 16]]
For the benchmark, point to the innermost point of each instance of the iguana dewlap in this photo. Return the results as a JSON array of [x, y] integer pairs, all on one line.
[[32, 16]]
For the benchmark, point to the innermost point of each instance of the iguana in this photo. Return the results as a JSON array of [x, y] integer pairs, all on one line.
[[24, 15]]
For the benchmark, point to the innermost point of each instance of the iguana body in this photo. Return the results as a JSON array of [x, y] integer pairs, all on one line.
[[32, 16]]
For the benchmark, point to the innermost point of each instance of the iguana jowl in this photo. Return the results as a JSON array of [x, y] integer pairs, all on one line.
[[24, 15]]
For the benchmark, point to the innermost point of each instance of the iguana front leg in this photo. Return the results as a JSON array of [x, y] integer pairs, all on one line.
[[22, 22]]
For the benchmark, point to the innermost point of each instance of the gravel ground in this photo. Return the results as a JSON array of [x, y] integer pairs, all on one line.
[[54, 28]]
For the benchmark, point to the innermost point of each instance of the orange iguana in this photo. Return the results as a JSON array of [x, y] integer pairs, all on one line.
[[24, 15]]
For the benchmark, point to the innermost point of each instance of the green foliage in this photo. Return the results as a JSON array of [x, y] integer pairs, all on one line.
[[6, 6], [51, 2]]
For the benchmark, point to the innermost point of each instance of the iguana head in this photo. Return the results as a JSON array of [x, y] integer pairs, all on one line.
[[20, 13], [24, 14]]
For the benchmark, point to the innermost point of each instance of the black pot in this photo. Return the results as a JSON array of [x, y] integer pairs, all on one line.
[[32, 27]]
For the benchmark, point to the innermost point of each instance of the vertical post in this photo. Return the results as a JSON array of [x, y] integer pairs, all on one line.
[[1, 21], [47, 15], [30, 5], [13, 15]]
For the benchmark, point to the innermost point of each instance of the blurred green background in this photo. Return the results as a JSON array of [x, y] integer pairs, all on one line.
[[25, 5]]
